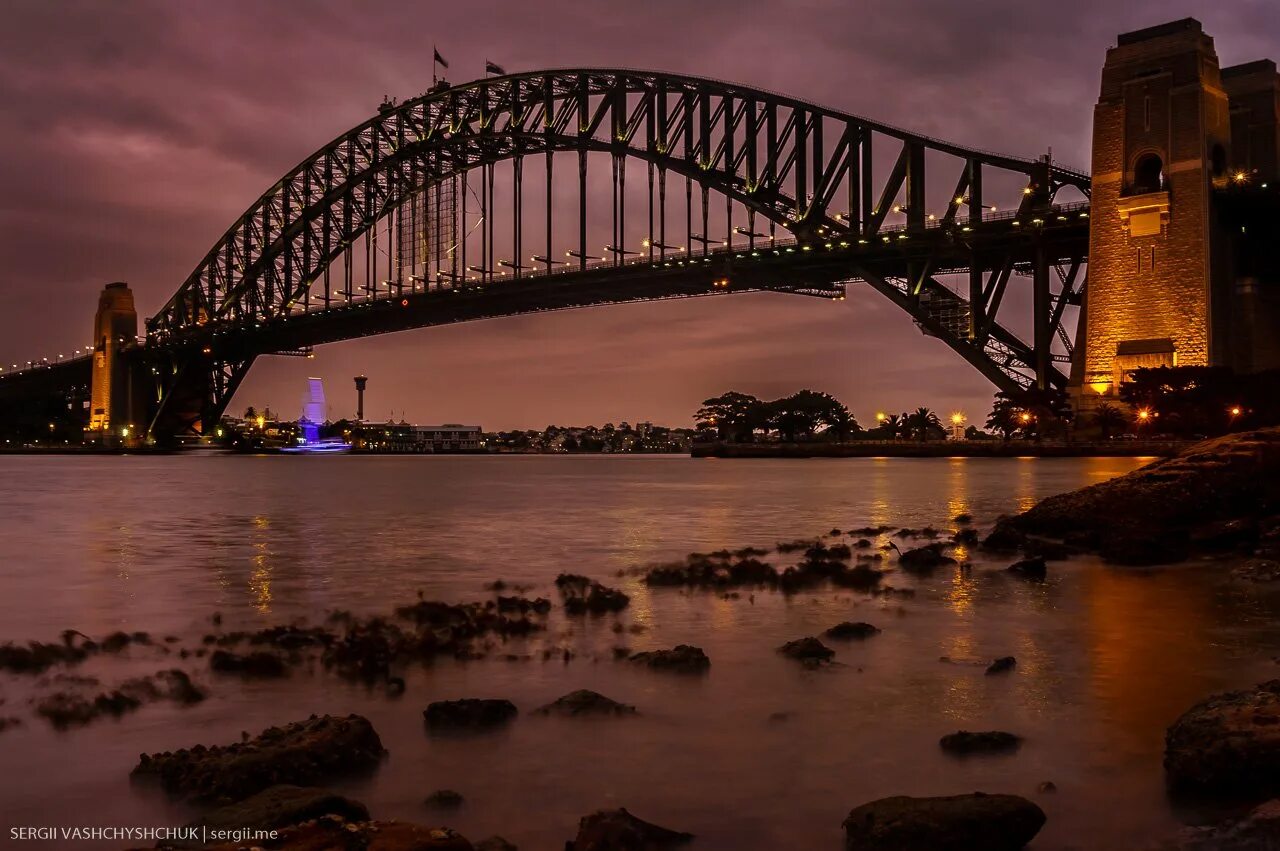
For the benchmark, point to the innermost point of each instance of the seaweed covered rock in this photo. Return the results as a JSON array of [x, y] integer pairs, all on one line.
[[808, 650], [683, 658], [303, 753], [469, 714], [965, 743], [852, 630], [585, 702], [975, 822]]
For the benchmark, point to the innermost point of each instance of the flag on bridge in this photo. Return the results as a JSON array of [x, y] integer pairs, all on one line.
[[439, 60], [493, 68]]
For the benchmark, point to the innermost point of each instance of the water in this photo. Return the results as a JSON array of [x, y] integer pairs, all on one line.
[[1106, 657]]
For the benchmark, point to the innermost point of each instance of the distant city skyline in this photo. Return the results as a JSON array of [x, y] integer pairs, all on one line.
[[130, 148]]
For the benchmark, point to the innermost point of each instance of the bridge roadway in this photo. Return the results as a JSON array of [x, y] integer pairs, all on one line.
[[905, 261], [902, 265]]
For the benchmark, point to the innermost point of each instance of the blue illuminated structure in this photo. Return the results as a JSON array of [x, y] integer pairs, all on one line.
[[313, 414]]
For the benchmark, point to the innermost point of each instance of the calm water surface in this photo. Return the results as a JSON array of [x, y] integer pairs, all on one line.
[[1106, 657]]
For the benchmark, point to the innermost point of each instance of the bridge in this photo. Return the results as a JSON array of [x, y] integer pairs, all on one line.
[[489, 199]]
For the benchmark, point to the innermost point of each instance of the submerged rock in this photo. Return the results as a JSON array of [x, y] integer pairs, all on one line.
[[258, 664], [583, 595], [975, 822], [852, 630], [65, 709], [1228, 744], [303, 753], [683, 658], [924, 559], [585, 702], [1029, 568], [809, 650], [618, 830], [1001, 665], [964, 743], [444, 799], [469, 713]]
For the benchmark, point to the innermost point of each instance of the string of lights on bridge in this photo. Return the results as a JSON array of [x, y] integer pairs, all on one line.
[[668, 256]]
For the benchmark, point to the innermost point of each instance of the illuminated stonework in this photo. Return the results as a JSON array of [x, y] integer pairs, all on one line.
[[114, 326], [1160, 137]]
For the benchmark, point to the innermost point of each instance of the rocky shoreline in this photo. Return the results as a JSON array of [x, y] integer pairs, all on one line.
[[1220, 498]]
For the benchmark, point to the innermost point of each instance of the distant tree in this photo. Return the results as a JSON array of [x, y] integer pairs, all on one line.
[[732, 416], [1050, 411], [1006, 416], [250, 413], [841, 424], [893, 425], [800, 414], [1109, 419], [922, 424]]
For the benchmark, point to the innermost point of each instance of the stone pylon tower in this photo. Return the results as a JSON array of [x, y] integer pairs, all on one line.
[[1161, 143], [114, 326]]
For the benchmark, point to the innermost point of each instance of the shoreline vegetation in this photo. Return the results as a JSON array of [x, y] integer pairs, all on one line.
[[943, 449], [1218, 500]]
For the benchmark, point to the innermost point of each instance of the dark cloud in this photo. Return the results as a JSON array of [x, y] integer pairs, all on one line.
[[135, 132]]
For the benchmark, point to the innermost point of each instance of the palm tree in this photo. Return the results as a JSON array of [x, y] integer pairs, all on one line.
[[892, 424], [920, 423], [1109, 418], [1005, 416]]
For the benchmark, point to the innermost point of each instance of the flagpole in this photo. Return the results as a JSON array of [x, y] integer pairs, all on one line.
[[434, 53]]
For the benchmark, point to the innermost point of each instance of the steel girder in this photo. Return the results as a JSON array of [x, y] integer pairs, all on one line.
[[779, 157]]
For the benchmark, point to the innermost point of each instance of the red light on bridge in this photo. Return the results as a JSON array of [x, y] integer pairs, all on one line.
[[404, 302]]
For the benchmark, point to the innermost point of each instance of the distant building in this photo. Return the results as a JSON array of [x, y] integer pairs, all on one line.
[[405, 437]]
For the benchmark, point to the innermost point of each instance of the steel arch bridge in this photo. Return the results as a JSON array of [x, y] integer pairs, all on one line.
[[769, 193]]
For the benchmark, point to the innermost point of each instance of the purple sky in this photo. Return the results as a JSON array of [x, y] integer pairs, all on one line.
[[135, 133]]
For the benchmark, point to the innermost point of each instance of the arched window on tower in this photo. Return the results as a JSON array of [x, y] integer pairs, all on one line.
[[1148, 174]]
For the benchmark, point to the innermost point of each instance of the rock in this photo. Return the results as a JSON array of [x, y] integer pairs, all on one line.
[[618, 830], [808, 650], [303, 753], [683, 658], [1046, 787], [962, 519], [1004, 663], [1218, 488], [585, 702], [37, 657], [1029, 568], [924, 559], [852, 630], [966, 537], [582, 595], [445, 799], [71, 709], [282, 806], [1004, 538], [259, 663], [495, 843], [974, 822], [1229, 744], [469, 713], [964, 743], [1257, 831]]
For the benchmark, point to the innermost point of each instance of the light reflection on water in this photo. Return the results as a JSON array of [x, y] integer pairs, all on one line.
[[1106, 658]]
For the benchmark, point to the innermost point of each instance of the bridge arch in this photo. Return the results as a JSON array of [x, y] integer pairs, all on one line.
[[817, 174]]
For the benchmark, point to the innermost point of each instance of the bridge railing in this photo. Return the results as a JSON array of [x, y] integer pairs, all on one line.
[[397, 289]]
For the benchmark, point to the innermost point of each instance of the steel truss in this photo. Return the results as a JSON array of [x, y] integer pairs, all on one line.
[[799, 167]]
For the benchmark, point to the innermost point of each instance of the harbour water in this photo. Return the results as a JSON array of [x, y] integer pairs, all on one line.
[[1107, 657]]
